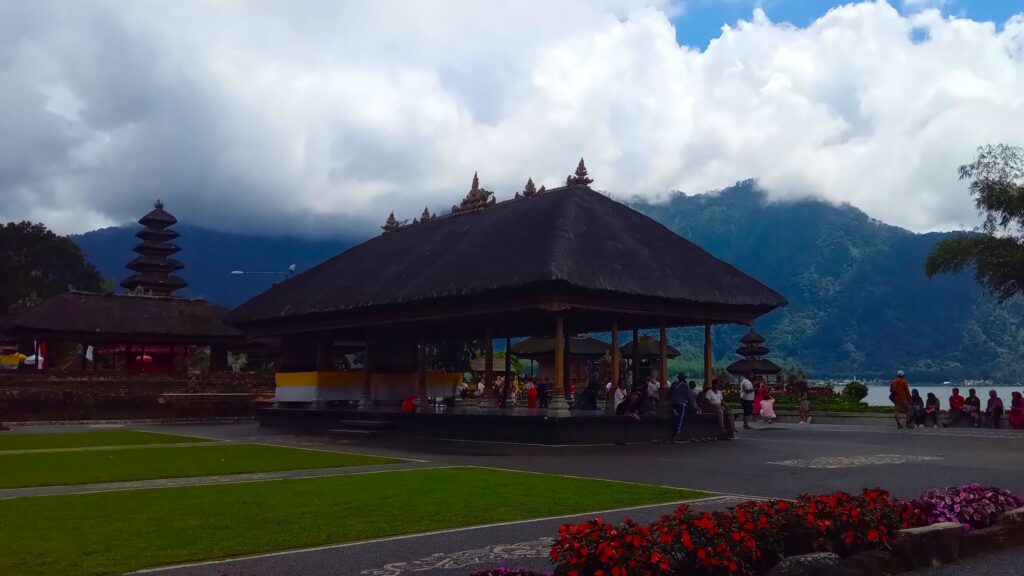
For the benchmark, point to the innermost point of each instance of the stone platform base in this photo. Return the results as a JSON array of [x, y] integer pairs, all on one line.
[[521, 426]]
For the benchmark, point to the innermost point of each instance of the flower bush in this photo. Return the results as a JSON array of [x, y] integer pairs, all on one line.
[[745, 539], [971, 505]]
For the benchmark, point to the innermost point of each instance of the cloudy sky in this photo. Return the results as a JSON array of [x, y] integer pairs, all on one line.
[[318, 118]]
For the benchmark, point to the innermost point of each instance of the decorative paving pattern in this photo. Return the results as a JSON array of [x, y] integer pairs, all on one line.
[[829, 462], [508, 554], [498, 553]]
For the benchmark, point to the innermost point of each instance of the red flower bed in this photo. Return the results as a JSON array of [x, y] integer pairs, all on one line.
[[746, 539]]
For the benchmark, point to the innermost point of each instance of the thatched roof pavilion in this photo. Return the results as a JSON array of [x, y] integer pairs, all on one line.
[[572, 261]]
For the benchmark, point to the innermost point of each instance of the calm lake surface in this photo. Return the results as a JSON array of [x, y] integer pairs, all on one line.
[[879, 395]]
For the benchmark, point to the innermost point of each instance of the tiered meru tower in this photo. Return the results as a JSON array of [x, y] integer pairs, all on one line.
[[153, 267]]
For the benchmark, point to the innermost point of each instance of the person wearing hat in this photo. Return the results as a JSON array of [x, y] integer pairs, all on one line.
[[899, 395]]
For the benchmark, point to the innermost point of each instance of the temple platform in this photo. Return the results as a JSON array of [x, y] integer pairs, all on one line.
[[512, 425]]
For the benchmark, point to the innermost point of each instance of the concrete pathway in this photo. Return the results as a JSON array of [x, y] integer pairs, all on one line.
[[206, 480]]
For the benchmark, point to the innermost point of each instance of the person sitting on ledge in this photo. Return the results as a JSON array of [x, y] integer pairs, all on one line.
[[915, 415], [956, 408], [972, 406], [716, 403], [931, 410], [626, 401], [1016, 414], [993, 410]]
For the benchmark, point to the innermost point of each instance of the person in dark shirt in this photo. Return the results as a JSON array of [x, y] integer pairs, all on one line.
[[994, 410], [678, 398], [972, 406], [931, 410]]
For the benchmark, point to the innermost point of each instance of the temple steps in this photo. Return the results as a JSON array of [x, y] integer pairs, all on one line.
[[363, 428]]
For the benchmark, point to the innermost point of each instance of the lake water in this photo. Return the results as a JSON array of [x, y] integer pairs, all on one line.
[[879, 395]]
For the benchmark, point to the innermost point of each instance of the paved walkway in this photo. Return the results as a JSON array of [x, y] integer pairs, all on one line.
[[205, 480]]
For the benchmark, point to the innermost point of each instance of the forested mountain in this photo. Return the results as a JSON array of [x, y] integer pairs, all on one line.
[[860, 304]]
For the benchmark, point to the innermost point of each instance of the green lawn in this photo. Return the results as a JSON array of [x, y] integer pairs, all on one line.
[[89, 439], [115, 532], [95, 466]]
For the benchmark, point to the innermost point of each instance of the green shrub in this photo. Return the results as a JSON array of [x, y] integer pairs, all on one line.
[[855, 391]]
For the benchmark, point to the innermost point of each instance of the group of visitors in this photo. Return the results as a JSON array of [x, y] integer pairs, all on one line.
[[918, 412]]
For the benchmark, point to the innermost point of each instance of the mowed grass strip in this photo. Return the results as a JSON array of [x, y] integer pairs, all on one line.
[[98, 466], [116, 532], [90, 439]]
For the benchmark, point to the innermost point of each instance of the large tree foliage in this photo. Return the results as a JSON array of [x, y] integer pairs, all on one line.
[[996, 249], [35, 264]]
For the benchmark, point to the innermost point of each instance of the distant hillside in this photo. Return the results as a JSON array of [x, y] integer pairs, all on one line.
[[860, 303], [209, 258]]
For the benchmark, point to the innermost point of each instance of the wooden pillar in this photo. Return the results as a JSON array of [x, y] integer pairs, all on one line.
[[508, 372], [421, 374], [663, 356], [487, 402], [708, 358], [636, 357], [609, 402], [367, 399], [324, 354], [558, 406]]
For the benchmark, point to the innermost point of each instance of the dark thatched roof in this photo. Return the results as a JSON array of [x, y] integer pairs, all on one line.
[[571, 241], [648, 347], [752, 337], [752, 350], [578, 346], [762, 366], [106, 317]]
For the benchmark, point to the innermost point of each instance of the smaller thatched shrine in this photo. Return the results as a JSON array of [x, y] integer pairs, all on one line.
[[753, 351]]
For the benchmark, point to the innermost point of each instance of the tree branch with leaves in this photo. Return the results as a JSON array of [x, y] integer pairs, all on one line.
[[996, 248]]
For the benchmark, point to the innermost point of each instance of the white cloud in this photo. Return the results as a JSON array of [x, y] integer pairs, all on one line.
[[321, 117]]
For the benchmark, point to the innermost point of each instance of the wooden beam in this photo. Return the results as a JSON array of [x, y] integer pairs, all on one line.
[[663, 353], [636, 357], [558, 390], [616, 361], [488, 398], [367, 376], [709, 360], [507, 390], [421, 374]]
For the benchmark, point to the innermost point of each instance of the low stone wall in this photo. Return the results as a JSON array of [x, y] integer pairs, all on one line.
[[912, 549], [26, 396]]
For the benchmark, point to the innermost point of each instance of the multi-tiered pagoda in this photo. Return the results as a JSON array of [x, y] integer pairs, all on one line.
[[753, 351], [154, 268]]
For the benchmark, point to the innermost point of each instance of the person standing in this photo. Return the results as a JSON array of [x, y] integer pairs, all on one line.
[[803, 391], [747, 398], [759, 396], [679, 397], [899, 395]]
